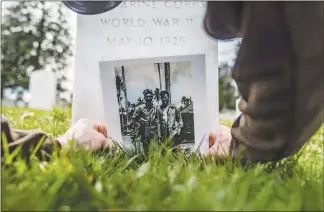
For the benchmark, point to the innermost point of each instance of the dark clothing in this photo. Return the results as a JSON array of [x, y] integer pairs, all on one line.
[[279, 73]]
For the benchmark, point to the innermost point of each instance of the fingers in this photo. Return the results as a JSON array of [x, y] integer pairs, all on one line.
[[217, 150], [212, 137], [95, 125], [219, 140], [97, 141], [221, 133], [101, 129], [212, 151], [109, 144], [100, 141]]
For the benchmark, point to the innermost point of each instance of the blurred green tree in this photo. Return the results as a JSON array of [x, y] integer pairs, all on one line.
[[227, 92], [35, 36], [226, 89]]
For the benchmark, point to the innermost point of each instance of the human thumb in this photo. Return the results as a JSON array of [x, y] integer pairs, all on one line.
[[100, 141]]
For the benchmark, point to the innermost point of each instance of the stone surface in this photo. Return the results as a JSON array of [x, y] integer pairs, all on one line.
[[42, 88], [140, 33]]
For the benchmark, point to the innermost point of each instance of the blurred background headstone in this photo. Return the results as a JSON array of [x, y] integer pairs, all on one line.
[[35, 35], [42, 89]]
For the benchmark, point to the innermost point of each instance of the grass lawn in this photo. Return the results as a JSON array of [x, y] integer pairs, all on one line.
[[160, 181]]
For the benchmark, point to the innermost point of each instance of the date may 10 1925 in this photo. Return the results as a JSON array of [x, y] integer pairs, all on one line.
[[147, 41]]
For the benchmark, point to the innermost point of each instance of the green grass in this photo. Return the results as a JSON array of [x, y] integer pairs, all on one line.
[[159, 181]]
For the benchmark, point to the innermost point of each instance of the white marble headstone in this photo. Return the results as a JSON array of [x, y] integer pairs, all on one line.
[[42, 89], [143, 33]]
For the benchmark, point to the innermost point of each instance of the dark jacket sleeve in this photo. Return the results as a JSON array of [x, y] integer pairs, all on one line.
[[279, 73], [35, 142]]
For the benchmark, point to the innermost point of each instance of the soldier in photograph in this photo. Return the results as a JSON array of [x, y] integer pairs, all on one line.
[[170, 117], [145, 115]]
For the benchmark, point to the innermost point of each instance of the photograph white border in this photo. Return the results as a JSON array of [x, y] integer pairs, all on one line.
[[205, 99]]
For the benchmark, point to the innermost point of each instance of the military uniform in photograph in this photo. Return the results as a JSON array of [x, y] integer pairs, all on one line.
[[146, 117], [170, 118]]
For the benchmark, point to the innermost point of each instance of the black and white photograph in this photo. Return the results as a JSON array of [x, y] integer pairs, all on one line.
[[155, 104]]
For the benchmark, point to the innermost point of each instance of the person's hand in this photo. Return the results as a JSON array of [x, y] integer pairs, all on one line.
[[220, 141], [87, 134]]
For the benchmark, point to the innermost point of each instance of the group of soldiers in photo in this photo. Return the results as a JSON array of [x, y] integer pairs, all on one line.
[[151, 121]]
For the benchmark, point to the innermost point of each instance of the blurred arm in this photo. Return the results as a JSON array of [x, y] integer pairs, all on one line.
[[28, 140], [279, 72]]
